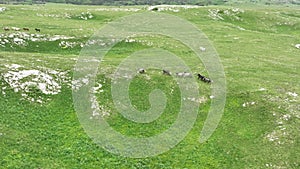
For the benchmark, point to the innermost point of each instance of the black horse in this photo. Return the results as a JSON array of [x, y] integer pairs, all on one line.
[[37, 29], [203, 78]]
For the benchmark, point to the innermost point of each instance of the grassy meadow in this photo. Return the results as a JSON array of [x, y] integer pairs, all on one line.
[[257, 45]]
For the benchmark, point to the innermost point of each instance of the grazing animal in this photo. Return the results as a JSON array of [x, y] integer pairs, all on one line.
[[184, 74], [37, 29], [141, 71], [179, 74], [155, 9], [6, 28], [15, 29], [203, 49], [26, 29], [203, 78], [166, 72]]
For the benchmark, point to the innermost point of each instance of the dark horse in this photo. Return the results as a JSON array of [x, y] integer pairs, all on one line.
[[38, 30], [141, 71], [166, 72], [203, 78]]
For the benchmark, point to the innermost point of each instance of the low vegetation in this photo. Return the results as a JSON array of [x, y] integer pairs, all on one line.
[[258, 47], [153, 2]]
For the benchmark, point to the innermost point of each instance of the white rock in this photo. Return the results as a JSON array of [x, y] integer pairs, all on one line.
[[18, 40], [42, 81], [262, 89], [292, 94], [286, 117]]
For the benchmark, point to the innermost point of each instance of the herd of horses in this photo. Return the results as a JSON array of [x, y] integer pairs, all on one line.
[[141, 71], [180, 74], [18, 29]]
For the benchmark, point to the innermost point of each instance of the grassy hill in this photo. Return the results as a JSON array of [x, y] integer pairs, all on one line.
[[257, 45], [154, 2]]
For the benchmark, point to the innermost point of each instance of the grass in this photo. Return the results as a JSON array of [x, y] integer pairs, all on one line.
[[263, 55]]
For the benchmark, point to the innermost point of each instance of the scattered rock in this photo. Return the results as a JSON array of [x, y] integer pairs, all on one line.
[[248, 104], [292, 94], [32, 83]]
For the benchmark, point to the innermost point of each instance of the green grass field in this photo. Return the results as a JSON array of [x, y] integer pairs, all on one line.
[[257, 46]]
